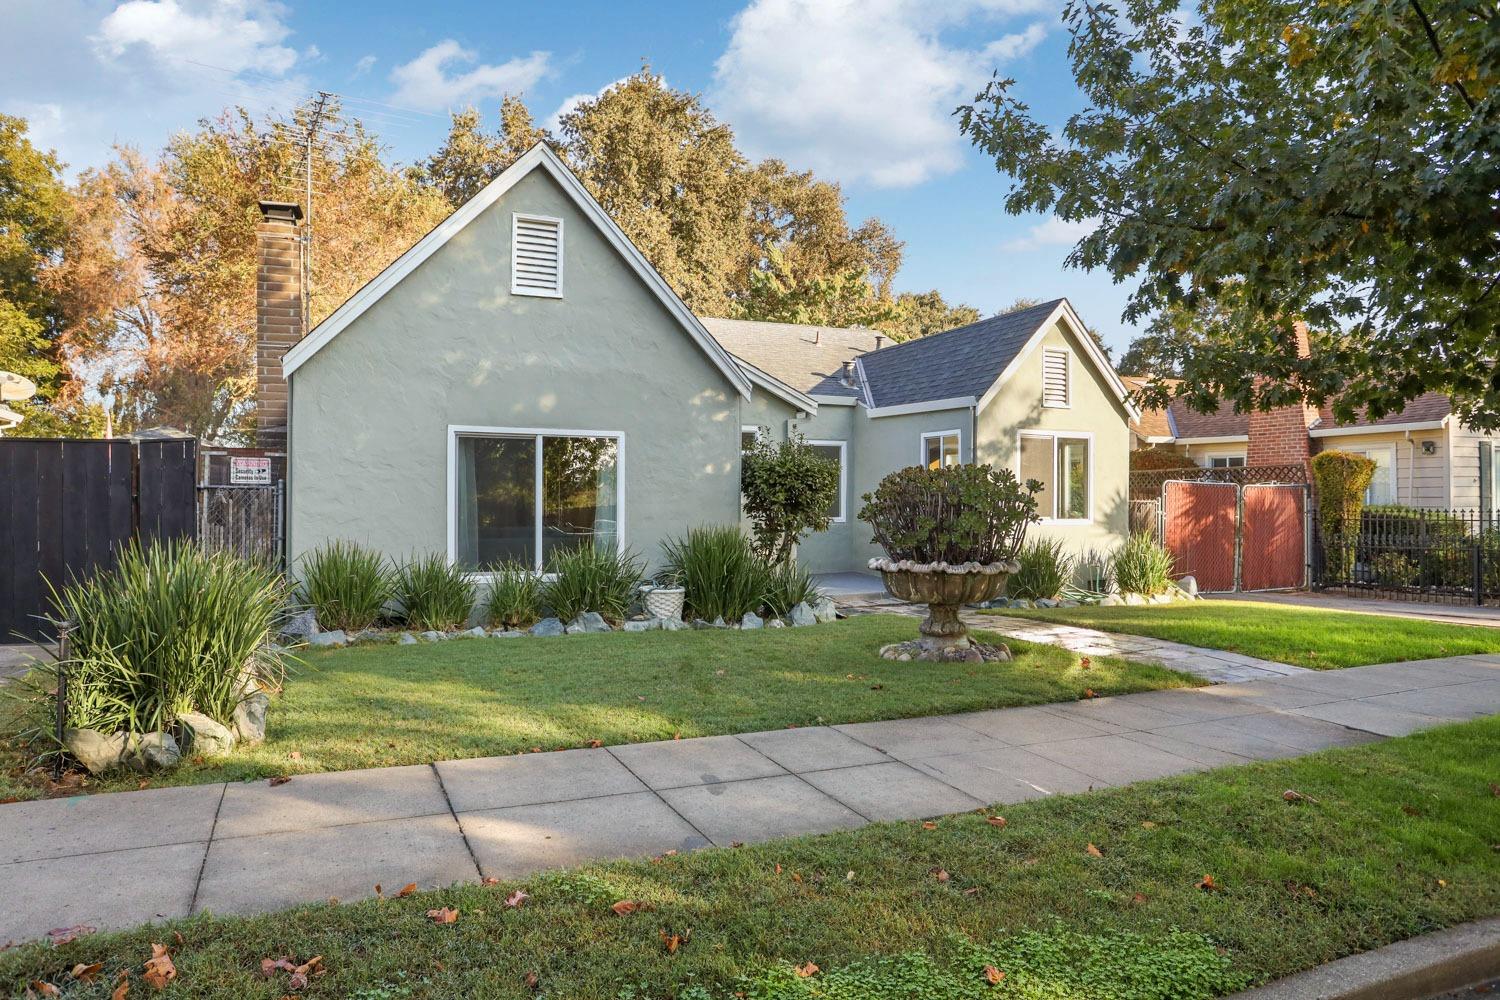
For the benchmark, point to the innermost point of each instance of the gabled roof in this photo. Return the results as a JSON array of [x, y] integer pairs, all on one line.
[[1223, 422], [810, 359], [1153, 425], [1430, 407], [537, 157], [1184, 423]]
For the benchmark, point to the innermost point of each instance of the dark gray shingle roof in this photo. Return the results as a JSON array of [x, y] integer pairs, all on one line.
[[964, 361]]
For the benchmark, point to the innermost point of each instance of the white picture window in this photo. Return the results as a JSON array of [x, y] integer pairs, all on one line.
[[525, 496], [1383, 486], [1063, 463], [836, 451], [941, 449], [536, 258], [1226, 461], [1055, 377]]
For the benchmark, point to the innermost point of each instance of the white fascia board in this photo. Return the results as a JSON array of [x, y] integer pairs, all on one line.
[[866, 396], [926, 406], [1220, 439], [823, 400], [1420, 425], [778, 388], [537, 156], [1064, 311]]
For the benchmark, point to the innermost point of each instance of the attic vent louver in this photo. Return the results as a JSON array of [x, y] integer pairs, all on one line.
[[1054, 377], [536, 266]]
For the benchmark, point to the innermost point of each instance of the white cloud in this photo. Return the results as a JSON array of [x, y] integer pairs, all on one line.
[[45, 124], [1054, 232], [863, 89], [233, 35], [428, 83], [569, 104], [365, 64]]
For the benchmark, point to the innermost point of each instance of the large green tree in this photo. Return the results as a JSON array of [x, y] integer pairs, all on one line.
[[1276, 159]]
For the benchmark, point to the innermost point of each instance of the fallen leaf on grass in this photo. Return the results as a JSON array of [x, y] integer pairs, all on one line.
[[532, 980], [1089, 693], [674, 941], [122, 988], [1093, 851], [806, 970], [1146, 824], [445, 915], [270, 966], [180, 939], [40, 988], [1292, 795], [940, 874], [996, 821], [929, 825], [596, 744], [1411, 810], [295, 755], [280, 779], [65, 935], [489, 880], [159, 969], [778, 868], [516, 898], [993, 975], [1138, 898], [86, 973], [407, 890], [1084, 662], [1207, 884], [973, 890], [625, 907]]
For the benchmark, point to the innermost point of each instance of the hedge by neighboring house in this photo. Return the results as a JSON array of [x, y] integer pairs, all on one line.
[[521, 381]]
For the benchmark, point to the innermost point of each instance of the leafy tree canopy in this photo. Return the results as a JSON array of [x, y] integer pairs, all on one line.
[[1336, 162]]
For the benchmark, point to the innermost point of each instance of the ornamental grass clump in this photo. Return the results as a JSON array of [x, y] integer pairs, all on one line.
[[789, 585], [1141, 566], [955, 515], [592, 578], [346, 585], [170, 629], [1043, 570], [434, 594], [719, 571], [514, 599]]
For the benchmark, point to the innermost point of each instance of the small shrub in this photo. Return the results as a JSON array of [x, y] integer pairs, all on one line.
[[346, 585], [1092, 572], [433, 593], [954, 514], [1392, 569], [170, 629], [789, 585], [591, 578], [1045, 570], [719, 571], [1141, 566], [786, 490], [514, 598], [1340, 480]]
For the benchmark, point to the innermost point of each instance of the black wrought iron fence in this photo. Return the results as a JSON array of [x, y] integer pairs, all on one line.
[[1406, 553], [1146, 484]]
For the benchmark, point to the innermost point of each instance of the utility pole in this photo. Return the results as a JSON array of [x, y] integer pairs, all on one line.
[[315, 115]]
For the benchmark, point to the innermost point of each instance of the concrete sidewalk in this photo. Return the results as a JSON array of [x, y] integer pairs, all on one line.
[[1487, 616], [122, 859]]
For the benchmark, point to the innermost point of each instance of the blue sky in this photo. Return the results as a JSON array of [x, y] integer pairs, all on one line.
[[861, 91]]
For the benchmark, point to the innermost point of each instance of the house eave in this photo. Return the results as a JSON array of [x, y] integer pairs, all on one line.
[[1064, 311], [825, 400], [925, 406], [765, 380], [1416, 425], [1217, 439]]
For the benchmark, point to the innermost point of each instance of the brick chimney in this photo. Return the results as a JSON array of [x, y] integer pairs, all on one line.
[[1279, 436], [279, 314]]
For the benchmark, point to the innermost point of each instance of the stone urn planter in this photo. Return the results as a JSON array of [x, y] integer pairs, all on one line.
[[945, 590]]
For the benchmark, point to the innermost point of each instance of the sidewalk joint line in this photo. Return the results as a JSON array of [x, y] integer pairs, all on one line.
[[207, 846], [660, 798], [473, 858]]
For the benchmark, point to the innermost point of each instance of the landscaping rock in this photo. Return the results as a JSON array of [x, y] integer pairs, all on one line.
[[701, 623], [752, 620], [1161, 598], [775, 623], [801, 614], [250, 718], [334, 638], [1111, 601], [433, 636], [1189, 585], [1067, 604], [824, 610], [673, 625], [972, 652], [547, 626], [1134, 600], [300, 625], [155, 752], [642, 624], [477, 632], [1021, 602], [205, 736], [95, 751], [506, 633], [407, 639], [1046, 602], [589, 621]]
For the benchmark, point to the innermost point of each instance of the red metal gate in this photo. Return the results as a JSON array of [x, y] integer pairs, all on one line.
[[1273, 547], [1198, 528]]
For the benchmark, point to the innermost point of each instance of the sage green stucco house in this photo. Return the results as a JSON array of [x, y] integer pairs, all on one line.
[[522, 381]]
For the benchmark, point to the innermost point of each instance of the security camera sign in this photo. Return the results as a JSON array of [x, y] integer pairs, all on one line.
[[246, 470]]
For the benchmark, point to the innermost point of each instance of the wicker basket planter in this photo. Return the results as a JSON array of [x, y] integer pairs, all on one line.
[[664, 603]]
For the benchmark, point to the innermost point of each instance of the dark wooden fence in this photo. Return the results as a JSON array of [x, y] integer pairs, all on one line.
[[67, 505]]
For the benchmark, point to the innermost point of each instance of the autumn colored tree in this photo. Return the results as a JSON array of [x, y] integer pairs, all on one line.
[[469, 158], [921, 313]]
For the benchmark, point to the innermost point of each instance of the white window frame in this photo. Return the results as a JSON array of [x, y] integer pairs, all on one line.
[[1209, 456], [456, 431], [516, 219], [1390, 450], [1056, 494], [843, 447], [929, 435], [747, 429], [1067, 377]]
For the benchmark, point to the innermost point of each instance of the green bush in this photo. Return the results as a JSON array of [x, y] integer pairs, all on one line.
[[955, 514], [170, 629], [433, 593], [1340, 480], [592, 578], [786, 491], [1045, 570], [514, 597], [1141, 566], [1392, 569], [789, 585], [719, 571], [346, 585]]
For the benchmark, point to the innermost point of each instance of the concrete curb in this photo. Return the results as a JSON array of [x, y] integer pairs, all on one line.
[[1417, 968]]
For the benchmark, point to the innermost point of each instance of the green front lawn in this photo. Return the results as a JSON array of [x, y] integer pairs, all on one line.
[[1306, 637], [376, 706], [1392, 840]]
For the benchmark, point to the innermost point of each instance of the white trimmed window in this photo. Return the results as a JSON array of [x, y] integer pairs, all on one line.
[[1226, 461], [536, 260], [1055, 372], [836, 451], [1383, 486], [1064, 464], [941, 449]]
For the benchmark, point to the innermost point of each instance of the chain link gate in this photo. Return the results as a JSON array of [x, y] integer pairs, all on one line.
[[1231, 537], [245, 520]]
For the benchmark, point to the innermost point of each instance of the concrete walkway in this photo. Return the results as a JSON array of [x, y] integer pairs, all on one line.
[[126, 858], [1214, 665]]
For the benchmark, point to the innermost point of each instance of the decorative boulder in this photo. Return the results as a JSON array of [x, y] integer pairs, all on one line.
[[203, 735], [250, 718], [477, 632], [752, 620], [801, 614], [1134, 600], [1111, 601], [547, 626], [589, 621], [642, 624], [775, 623], [673, 625], [1046, 602], [155, 752], [95, 751], [300, 625], [1189, 585], [824, 610], [407, 639], [334, 638], [506, 633]]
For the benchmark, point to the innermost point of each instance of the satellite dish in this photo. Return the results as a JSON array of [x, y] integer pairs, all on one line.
[[13, 387]]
